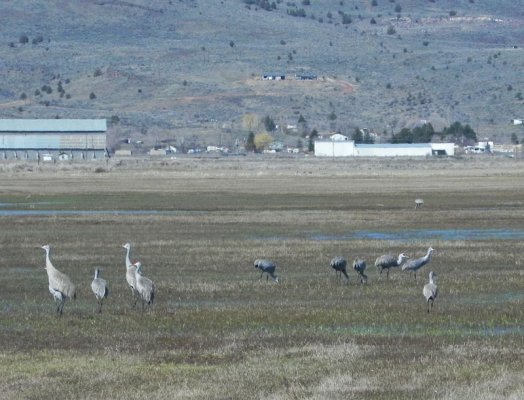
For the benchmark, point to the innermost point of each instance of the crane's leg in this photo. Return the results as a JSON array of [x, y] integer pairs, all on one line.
[[345, 274], [387, 274]]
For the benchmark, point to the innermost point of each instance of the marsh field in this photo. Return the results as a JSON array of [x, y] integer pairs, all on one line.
[[218, 331]]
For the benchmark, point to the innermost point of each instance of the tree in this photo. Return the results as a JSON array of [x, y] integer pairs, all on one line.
[[368, 139], [460, 133], [357, 136], [262, 140], [269, 124], [92, 96], [420, 134], [312, 136], [514, 138], [250, 122], [250, 143]]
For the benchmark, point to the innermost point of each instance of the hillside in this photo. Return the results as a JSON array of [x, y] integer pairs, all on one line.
[[190, 70]]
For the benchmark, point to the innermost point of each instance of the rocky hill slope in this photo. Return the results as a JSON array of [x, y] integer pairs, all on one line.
[[189, 71]]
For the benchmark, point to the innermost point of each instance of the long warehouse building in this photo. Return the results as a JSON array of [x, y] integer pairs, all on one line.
[[52, 139]]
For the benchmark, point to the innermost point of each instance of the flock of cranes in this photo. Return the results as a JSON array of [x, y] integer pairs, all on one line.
[[143, 288]]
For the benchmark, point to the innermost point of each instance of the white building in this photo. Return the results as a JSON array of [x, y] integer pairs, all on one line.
[[330, 148]]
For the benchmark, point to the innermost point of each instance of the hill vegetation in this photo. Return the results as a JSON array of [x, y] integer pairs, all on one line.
[[189, 71]]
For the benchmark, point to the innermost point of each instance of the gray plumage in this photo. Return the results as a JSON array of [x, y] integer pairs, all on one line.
[[131, 273], [430, 290], [339, 264], [417, 263], [268, 267], [145, 287], [359, 266], [60, 286], [388, 261], [100, 289]]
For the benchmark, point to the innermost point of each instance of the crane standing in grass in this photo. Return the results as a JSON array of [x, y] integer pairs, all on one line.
[[131, 273], [60, 285], [268, 267], [359, 265], [145, 287], [388, 261], [339, 264], [417, 263], [430, 290], [100, 289]]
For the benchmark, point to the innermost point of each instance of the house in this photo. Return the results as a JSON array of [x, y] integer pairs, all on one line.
[[274, 77], [337, 137], [157, 152], [123, 153], [306, 77], [518, 121]]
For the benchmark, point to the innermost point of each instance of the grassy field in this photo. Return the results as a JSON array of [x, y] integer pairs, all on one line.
[[217, 330]]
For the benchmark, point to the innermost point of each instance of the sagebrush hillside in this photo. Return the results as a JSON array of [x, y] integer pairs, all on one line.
[[190, 70]]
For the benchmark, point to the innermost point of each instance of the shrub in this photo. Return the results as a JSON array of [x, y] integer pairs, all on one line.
[[92, 96], [23, 39], [38, 39], [97, 72], [391, 30]]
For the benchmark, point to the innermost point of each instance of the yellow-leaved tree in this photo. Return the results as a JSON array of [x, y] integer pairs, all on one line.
[[262, 140], [250, 122]]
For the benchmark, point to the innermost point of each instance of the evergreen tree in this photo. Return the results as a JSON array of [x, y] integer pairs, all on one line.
[[357, 136], [250, 144]]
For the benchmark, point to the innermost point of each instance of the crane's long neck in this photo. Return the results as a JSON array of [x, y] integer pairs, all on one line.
[[128, 260], [48, 264], [400, 259], [428, 255]]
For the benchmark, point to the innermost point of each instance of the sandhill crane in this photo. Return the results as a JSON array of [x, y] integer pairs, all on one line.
[[430, 290], [60, 285], [130, 273], [268, 267], [417, 263], [359, 265], [100, 289], [144, 286], [388, 261], [339, 264]]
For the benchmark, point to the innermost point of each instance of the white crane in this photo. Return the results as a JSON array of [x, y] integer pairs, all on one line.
[[100, 289], [388, 261], [131, 273], [430, 290], [359, 265], [415, 264], [145, 287], [60, 286], [339, 264]]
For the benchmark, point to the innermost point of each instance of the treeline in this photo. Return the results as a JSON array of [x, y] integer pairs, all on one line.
[[456, 133]]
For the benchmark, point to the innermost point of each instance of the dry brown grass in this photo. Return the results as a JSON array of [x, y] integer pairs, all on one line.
[[217, 331]]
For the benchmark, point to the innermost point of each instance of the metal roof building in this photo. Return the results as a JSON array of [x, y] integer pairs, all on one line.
[[60, 138], [334, 148]]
